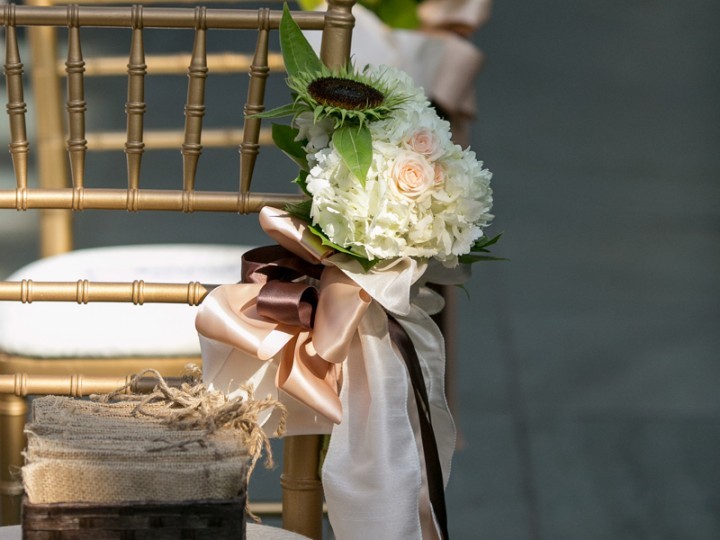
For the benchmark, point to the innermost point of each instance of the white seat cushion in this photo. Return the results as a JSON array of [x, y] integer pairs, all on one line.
[[66, 329], [254, 532], [263, 532]]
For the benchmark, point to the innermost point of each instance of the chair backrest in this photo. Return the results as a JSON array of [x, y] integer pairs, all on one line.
[[48, 72], [52, 195]]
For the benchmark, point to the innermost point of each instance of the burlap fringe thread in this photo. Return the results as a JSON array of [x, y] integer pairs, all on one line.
[[194, 407], [172, 444]]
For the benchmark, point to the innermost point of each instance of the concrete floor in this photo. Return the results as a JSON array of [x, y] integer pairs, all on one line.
[[593, 411], [588, 364]]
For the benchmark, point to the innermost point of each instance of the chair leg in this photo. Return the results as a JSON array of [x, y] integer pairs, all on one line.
[[301, 486], [13, 411]]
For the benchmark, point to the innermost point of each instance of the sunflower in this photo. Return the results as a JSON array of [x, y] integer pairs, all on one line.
[[346, 96]]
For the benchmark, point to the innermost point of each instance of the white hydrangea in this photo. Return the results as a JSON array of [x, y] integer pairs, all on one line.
[[423, 197], [317, 133]]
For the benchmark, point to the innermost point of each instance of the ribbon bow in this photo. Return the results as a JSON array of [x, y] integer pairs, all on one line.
[[300, 314], [278, 311]]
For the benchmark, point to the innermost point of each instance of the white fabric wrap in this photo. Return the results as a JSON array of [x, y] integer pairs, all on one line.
[[374, 471]]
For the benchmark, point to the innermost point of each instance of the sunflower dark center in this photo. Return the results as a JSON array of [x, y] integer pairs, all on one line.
[[345, 93]]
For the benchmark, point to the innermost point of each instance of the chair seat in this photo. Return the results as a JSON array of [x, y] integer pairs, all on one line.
[[254, 532], [264, 532], [64, 330]]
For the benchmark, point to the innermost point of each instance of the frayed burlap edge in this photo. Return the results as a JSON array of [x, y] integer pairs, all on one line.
[[160, 418]]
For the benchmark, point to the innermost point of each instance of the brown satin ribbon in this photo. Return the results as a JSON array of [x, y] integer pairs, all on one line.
[[281, 298], [268, 263], [292, 304], [436, 489]]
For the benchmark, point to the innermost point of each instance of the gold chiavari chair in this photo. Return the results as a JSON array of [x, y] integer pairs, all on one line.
[[56, 200]]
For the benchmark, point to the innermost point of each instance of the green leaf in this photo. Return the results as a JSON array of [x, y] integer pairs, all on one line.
[[469, 258], [481, 246], [301, 181], [284, 110], [483, 243], [309, 5], [464, 289], [367, 264], [354, 144], [284, 138], [398, 13], [300, 210], [298, 54]]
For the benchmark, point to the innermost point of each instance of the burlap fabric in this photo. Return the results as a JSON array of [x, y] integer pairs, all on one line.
[[177, 447]]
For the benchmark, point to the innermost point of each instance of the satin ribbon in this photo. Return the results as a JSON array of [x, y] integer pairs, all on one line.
[[384, 473], [273, 314], [459, 16], [436, 488]]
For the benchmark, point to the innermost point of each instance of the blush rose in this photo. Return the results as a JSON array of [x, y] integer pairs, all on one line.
[[412, 175]]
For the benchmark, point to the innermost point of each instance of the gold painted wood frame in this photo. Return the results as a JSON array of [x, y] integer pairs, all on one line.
[[57, 196]]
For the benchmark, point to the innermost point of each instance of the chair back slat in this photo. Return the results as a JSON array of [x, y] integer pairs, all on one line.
[[83, 291], [195, 106], [76, 104], [167, 17], [135, 106], [144, 199], [158, 139], [259, 71], [337, 36], [16, 107], [175, 64]]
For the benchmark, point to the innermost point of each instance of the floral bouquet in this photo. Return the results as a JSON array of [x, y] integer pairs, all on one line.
[[335, 321], [383, 175]]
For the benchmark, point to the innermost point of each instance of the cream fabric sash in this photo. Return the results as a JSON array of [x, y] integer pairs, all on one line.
[[374, 472]]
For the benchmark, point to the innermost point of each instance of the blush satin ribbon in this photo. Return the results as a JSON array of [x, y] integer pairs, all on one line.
[[272, 314], [362, 335]]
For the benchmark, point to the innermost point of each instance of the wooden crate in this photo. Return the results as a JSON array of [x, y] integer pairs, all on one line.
[[191, 520]]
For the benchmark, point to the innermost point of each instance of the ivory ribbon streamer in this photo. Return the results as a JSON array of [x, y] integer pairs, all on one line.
[[374, 474]]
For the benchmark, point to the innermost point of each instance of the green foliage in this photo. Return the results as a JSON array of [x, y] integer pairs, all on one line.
[[298, 54], [284, 138], [309, 5], [300, 210], [290, 109], [481, 246], [395, 13], [354, 144], [365, 263], [301, 181]]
